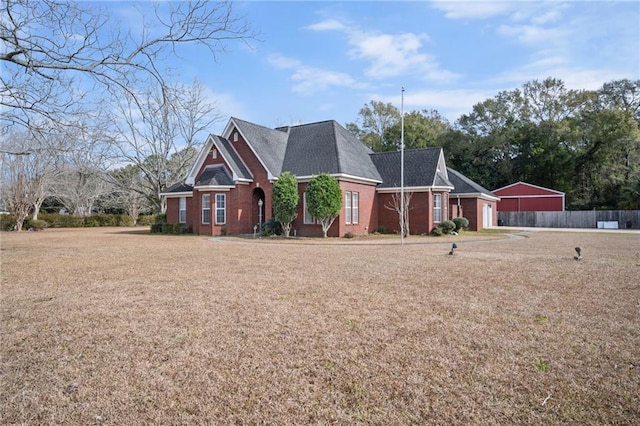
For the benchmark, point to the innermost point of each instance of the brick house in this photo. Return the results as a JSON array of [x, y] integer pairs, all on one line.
[[228, 189]]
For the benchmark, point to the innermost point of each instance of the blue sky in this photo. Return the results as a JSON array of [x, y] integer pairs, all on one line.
[[324, 60]]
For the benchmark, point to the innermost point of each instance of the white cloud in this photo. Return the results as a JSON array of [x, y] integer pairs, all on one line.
[[451, 103], [309, 80], [389, 55], [329, 24], [473, 9], [532, 34]]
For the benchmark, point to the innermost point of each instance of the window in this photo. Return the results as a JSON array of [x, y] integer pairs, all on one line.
[[214, 153], [308, 219], [221, 209], [437, 207], [347, 207], [182, 216], [355, 213], [235, 136], [206, 208], [351, 207]]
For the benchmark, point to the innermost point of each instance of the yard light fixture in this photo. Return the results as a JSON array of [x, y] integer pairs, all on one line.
[[260, 203], [453, 248], [579, 251]]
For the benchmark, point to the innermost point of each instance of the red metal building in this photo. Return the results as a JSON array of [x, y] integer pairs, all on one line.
[[525, 197]]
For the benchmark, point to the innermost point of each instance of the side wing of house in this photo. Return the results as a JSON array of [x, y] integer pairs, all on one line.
[[426, 185], [473, 201]]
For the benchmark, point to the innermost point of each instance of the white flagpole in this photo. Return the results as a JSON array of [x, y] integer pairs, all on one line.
[[402, 225]]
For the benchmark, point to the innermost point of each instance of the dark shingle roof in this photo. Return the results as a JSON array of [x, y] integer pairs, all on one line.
[[464, 185], [178, 187], [215, 176], [232, 158], [420, 168], [269, 145], [327, 147]]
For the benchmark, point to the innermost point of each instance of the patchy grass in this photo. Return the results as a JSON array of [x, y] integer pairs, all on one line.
[[110, 326]]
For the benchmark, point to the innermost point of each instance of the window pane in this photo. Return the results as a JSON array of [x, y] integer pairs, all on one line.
[[206, 208], [355, 207], [308, 219], [221, 208], [437, 207], [347, 206], [182, 215]]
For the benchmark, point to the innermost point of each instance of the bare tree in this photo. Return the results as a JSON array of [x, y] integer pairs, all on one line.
[[80, 179], [28, 167], [129, 191], [396, 204], [161, 135], [56, 53]]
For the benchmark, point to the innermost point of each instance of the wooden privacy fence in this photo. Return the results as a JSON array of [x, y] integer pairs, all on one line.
[[621, 219]]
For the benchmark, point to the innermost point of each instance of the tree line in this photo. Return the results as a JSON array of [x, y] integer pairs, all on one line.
[[581, 142]]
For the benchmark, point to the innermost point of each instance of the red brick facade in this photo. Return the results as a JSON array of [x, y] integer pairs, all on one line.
[[243, 214]]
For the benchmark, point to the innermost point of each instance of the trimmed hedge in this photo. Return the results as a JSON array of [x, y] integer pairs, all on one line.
[[57, 220]]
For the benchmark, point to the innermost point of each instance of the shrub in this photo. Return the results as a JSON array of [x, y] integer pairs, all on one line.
[[381, 230], [7, 222], [447, 226], [167, 228], [349, 235], [57, 220], [272, 227], [437, 232], [102, 219], [38, 225], [160, 218], [147, 220], [461, 223], [156, 228]]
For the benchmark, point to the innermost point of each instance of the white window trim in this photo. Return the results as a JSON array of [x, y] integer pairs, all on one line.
[[347, 207], [223, 209], [355, 207], [437, 208], [182, 210], [206, 206], [307, 219]]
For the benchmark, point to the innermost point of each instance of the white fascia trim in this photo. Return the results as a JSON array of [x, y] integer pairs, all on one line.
[[176, 194], [529, 185], [202, 155], [344, 177], [415, 189], [218, 188], [227, 133], [534, 196], [475, 195]]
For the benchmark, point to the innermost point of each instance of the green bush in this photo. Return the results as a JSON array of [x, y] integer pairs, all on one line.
[[160, 218], [447, 226], [461, 223], [381, 230], [7, 222], [271, 227], [437, 232], [57, 220], [156, 228], [147, 220], [38, 225], [102, 219], [349, 235]]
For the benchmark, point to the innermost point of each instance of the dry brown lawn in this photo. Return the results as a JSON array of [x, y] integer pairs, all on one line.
[[120, 327]]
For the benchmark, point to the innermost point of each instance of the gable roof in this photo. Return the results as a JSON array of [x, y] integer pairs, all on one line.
[[269, 145], [463, 186], [232, 158], [423, 167], [523, 188], [327, 147]]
